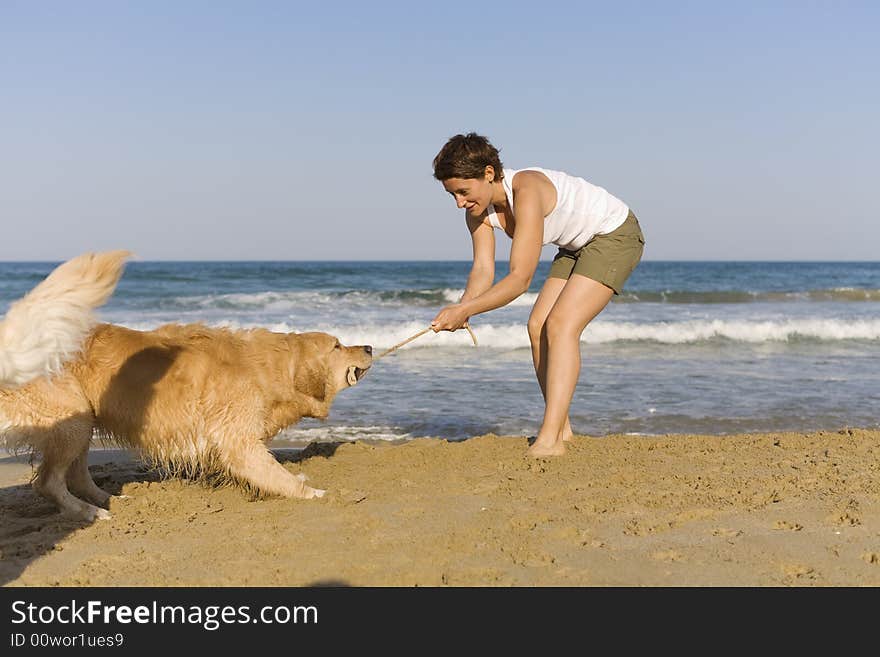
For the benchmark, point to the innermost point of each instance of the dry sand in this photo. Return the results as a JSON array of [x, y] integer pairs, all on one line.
[[680, 510]]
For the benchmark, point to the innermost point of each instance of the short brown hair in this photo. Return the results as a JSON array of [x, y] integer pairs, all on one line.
[[466, 156]]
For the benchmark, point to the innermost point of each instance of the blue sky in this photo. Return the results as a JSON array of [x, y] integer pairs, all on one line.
[[302, 131]]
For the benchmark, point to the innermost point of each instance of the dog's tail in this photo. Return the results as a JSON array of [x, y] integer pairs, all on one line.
[[49, 324]]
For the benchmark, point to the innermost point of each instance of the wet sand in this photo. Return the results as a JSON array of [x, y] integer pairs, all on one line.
[[800, 509]]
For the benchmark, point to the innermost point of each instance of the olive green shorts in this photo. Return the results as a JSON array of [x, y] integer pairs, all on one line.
[[608, 259]]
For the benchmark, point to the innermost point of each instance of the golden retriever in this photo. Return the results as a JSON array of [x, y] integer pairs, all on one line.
[[192, 399], [48, 325]]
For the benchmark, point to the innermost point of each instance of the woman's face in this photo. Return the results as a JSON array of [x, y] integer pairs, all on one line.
[[472, 194]]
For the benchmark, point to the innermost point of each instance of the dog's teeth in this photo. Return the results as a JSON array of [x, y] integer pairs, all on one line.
[[352, 377]]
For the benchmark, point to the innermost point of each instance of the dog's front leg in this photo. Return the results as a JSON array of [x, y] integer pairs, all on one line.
[[50, 482], [255, 465]]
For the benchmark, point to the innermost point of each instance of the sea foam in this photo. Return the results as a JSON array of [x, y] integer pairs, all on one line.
[[515, 336]]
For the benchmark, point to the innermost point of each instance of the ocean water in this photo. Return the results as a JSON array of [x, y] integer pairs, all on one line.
[[697, 347]]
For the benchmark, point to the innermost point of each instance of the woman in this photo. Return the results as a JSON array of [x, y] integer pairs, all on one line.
[[600, 243]]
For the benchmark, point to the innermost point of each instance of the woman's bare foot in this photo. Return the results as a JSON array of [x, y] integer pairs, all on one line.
[[541, 449]]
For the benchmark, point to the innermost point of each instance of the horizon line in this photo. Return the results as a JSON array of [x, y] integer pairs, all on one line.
[[435, 260]]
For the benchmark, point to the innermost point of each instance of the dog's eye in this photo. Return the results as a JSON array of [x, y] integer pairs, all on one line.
[[338, 345]]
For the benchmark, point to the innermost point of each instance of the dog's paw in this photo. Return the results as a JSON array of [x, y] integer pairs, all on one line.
[[302, 476], [87, 512], [314, 492], [91, 513]]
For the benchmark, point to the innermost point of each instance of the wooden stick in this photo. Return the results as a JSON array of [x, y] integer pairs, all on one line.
[[418, 335], [400, 344]]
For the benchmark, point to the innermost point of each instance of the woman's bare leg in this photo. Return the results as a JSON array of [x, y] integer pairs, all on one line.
[[538, 337], [579, 302]]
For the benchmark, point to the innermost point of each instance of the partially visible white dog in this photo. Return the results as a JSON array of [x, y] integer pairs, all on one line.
[[48, 326]]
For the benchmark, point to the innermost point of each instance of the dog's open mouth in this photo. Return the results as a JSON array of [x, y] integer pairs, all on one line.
[[355, 374]]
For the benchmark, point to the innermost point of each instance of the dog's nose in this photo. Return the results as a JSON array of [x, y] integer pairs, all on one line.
[[368, 349]]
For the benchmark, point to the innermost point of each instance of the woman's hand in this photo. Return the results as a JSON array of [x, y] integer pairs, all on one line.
[[450, 318]]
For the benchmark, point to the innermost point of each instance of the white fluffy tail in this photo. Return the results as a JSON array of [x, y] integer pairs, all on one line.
[[48, 325]]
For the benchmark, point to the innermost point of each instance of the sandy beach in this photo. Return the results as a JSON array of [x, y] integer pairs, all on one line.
[[781, 509]]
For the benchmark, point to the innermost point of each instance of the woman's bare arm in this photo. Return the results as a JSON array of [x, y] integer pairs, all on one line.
[[525, 252], [483, 269]]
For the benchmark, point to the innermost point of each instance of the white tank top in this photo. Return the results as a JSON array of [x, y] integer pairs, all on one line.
[[582, 209]]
